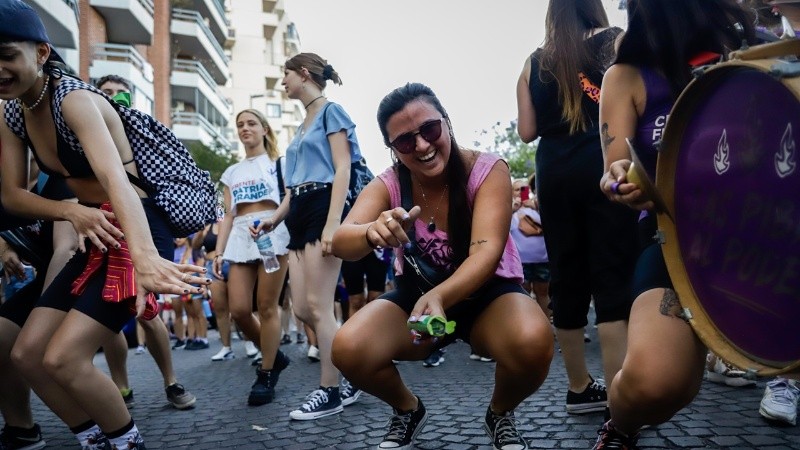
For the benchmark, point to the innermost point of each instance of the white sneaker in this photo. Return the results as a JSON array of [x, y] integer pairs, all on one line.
[[313, 353], [250, 349], [780, 401], [140, 350], [224, 354], [723, 373]]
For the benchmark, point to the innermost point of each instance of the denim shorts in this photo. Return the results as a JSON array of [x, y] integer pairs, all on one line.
[[536, 272], [225, 269]]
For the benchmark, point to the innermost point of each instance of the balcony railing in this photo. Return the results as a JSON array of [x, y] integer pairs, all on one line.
[[147, 5], [120, 52], [196, 120], [194, 16], [180, 65]]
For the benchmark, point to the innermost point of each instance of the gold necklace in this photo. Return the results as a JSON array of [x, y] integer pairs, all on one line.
[[431, 222], [41, 96]]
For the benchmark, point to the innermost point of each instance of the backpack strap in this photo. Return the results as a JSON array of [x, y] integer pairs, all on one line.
[[279, 173], [406, 200]]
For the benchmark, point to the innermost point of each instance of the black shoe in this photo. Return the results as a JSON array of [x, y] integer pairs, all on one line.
[[281, 362], [286, 339], [179, 344], [319, 403], [14, 438], [348, 393], [593, 399], [196, 344], [404, 428], [300, 339], [263, 390], [179, 397], [502, 430], [434, 359], [609, 438]]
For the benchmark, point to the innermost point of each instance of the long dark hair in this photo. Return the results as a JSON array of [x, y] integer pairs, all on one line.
[[666, 34], [459, 212], [565, 53]]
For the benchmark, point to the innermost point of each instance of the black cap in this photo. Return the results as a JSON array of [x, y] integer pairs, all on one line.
[[20, 22]]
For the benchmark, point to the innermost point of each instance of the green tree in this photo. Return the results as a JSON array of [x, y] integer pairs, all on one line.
[[505, 142], [214, 159]]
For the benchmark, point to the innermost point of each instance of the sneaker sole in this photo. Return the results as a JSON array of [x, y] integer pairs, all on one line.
[[350, 400], [311, 416], [224, 358], [410, 446], [587, 408], [776, 418], [183, 406]]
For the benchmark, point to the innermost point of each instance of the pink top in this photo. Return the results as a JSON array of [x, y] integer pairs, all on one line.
[[434, 245]]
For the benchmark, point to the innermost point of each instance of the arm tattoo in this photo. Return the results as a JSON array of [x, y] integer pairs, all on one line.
[[670, 306], [481, 241], [605, 138]]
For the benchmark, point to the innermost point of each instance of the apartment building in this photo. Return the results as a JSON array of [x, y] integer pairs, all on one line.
[[192, 63], [263, 38]]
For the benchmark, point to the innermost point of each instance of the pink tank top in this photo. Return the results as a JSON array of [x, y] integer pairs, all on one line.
[[435, 245]]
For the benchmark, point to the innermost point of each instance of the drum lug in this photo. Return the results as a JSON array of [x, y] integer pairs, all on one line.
[[687, 314], [750, 373], [659, 237], [785, 69]]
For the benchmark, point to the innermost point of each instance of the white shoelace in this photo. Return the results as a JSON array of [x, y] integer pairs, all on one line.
[[398, 427], [315, 400]]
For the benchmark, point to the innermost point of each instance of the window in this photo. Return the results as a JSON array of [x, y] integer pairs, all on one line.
[[274, 110]]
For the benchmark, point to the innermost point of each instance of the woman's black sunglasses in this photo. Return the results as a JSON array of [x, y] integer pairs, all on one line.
[[430, 131]]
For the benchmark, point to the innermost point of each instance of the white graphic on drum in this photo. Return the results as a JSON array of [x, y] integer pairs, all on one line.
[[785, 162], [721, 162]]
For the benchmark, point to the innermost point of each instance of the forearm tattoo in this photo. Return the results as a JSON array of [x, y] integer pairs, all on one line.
[[479, 242], [670, 306], [605, 137]]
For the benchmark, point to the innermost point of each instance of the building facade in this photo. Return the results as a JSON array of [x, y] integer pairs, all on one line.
[[264, 38], [191, 63]]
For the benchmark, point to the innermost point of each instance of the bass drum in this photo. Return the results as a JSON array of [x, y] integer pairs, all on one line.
[[728, 173]]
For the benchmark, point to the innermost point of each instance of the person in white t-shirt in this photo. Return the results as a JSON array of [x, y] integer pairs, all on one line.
[[251, 190]]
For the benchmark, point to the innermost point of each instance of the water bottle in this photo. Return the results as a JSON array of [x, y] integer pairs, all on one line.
[[266, 250]]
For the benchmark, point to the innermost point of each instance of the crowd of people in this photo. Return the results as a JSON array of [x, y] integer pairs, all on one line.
[[445, 231]]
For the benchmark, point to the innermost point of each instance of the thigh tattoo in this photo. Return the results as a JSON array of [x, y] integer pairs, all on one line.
[[670, 306]]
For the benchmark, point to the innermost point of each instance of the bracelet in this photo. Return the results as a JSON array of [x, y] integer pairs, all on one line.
[[366, 237]]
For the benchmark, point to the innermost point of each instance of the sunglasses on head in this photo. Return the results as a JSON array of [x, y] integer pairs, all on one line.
[[430, 131]]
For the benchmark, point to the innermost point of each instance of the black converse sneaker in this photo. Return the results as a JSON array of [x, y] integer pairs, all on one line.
[[320, 403], [609, 438], [502, 429], [404, 428], [593, 399], [15, 438], [349, 393]]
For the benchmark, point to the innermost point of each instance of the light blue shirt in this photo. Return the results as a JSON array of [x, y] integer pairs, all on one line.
[[309, 157]]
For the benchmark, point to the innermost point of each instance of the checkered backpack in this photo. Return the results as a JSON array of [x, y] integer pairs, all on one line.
[[167, 171]]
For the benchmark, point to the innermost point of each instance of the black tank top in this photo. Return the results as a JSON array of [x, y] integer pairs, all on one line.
[[210, 240]]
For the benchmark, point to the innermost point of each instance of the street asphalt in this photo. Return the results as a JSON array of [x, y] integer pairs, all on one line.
[[456, 393]]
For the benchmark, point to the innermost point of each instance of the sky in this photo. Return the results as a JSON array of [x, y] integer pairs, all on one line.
[[470, 52]]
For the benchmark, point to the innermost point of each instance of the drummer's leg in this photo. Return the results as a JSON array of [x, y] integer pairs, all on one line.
[[663, 369]]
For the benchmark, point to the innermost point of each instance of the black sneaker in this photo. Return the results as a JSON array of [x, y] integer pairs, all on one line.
[[593, 399], [14, 438], [300, 339], [609, 438], [179, 344], [127, 396], [404, 428], [320, 403], [502, 430], [196, 344], [100, 442], [135, 443], [348, 393], [263, 390], [286, 339], [434, 359], [179, 396]]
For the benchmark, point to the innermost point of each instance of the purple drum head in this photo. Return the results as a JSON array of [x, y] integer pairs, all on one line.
[[737, 211]]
